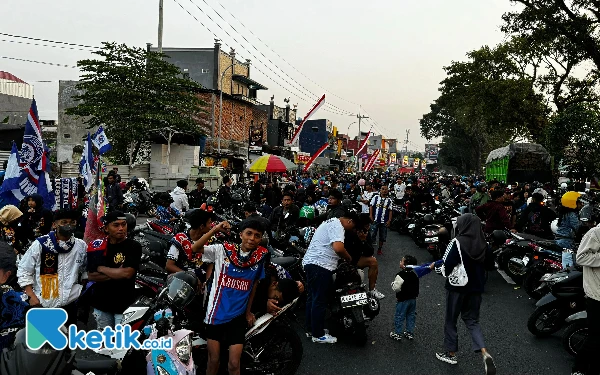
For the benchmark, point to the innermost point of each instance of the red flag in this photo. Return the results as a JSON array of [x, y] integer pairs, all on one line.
[[308, 115], [315, 156], [95, 210], [364, 143], [371, 161]]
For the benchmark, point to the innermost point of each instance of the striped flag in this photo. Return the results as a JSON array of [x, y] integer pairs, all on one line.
[[364, 143], [85, 165], [96, 209], [371, 162], [306, 118], [315, 156]]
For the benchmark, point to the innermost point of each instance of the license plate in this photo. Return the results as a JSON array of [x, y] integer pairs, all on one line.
[[525, 260], [357, 299], [431, 239]]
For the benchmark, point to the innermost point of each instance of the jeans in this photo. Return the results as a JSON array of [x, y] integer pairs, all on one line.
[[465, 305], [586, 360], [380, 228], [318, 284], [567, 259], [106, 319], [405, 310]]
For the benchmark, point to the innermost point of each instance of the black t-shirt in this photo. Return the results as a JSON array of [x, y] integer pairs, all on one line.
[[114, 296]]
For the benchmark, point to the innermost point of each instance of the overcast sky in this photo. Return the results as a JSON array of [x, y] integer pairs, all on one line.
[[386, 55]]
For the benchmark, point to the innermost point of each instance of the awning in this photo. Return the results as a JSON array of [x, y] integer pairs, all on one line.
[[252, 84]]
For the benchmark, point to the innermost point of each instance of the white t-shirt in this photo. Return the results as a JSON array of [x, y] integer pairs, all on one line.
[[366, 195], [320, 251], [399, 190]]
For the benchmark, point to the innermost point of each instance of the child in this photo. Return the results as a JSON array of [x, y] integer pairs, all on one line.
[[406, 286]]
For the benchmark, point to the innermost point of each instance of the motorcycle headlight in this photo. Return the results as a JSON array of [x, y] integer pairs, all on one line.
[[184, 349], [431, 233], [161, 371]]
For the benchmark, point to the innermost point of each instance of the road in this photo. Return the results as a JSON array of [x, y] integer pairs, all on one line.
[[504, 315]]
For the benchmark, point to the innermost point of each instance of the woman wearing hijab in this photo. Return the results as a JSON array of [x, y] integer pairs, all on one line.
[[469, 248]]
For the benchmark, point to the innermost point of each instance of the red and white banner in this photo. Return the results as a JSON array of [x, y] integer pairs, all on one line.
[[306, 118], [364, 143], [315, 156], [371, 161]]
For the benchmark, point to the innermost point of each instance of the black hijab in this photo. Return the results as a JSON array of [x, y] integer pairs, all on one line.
[[470, 236]]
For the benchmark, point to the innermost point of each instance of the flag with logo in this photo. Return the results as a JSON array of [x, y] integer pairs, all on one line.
[[101, 141], [33, 164], [85, 165], [10, 191]]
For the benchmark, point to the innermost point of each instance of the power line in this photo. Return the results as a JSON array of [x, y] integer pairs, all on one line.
[[263, 55], [300, 96], [49, 41], [260, 40], [342, 112], [38, 62], [45, 45]]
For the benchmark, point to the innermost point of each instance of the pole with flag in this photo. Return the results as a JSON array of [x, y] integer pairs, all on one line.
[[10, 193], [96, 208], [85, 165], [315, 156], [101, 141], [306, 118]]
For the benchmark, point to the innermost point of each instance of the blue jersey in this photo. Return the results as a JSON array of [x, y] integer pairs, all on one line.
[[381, 208], [232, 283]]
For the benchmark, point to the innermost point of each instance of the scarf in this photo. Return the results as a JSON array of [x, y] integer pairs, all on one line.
[[51, 248], [234, 253], [182, 241], [471, 237]]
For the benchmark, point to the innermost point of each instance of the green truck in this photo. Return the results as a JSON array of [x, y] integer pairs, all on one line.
[[519, 162]]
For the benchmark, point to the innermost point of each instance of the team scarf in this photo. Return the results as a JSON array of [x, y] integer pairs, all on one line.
[[234, 253], [182, 241], [51, 248]]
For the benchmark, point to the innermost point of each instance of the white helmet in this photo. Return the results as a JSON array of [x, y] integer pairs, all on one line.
[[554, 226], [563, 185]]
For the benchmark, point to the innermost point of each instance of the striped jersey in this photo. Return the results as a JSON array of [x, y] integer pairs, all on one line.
[[381, 208]]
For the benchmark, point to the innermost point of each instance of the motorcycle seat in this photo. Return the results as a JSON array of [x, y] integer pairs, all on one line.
[[164, 237], [96, 365], [549, 245], [284, 262]]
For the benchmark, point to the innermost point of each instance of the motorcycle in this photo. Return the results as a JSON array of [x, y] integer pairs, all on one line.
[[351, 305], [565, 298], [544, 261], [576, 333], [138, 198]]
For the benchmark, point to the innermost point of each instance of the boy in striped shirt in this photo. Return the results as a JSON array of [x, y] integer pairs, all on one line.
[[381, 214]]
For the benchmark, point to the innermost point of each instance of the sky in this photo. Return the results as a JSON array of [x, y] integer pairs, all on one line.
[[385, 58]]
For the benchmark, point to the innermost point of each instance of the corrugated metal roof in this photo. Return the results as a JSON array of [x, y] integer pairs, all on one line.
[[10, 77], [14, 86]]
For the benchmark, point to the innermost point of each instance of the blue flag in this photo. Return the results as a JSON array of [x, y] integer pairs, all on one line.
[[101, 141], [33, 163], [85, 165], [10, 193]]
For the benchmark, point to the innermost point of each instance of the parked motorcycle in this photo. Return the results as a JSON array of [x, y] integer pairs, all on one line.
[[576, 333], [545, 261], [565, 298], [138, 198]]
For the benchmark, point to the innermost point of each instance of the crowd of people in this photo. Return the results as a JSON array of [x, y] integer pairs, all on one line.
[[42, 257]]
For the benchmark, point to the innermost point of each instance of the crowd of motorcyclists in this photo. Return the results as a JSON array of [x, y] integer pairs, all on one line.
[[250, 250]]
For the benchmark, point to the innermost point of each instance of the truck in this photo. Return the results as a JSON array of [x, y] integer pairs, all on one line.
[[519, 162]]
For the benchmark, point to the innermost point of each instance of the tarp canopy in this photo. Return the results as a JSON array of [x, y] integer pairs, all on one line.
[[519, 148]]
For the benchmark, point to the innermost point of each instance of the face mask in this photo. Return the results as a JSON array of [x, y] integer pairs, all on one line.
[[66, 230]]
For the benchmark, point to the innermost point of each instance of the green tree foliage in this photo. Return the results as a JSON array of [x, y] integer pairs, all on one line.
[[573, 138], [135, 94], [484, 103]]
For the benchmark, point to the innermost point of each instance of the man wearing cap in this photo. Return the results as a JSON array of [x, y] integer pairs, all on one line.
[[112, 264], [199, 195]]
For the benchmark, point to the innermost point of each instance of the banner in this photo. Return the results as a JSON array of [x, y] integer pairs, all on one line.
[[431, 151], [423, 164], [65, 193], [256, 139], [416, 163], [306, 118], [392, 158], [405, 161], [316, 155]]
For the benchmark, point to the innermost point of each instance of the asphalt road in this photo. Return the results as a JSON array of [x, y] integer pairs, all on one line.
[[504, 313]]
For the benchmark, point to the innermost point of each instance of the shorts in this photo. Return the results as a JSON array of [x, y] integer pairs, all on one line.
[[230, 333], [381, 229]]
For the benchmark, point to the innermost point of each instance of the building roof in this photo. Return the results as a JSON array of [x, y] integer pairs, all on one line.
[[10, 77], [252, 84]]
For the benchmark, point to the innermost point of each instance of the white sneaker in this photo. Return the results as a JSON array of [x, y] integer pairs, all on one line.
[[377, 294], [325, 339]]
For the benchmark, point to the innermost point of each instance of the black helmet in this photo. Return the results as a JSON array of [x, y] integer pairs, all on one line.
[[347, 204], [211, 201], [499, 237], [180, 289], [236, 197], [428, 219], [131, 222]]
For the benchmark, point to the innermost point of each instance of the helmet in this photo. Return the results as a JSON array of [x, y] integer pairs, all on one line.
[[563, 185], [180, 289], [361, 182], [211, 201], [207, 207], [569, 199], [428, 219], [307, 212], [347, 204], [131, 222], [236, 197]]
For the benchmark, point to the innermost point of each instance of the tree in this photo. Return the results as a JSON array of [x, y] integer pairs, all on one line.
[[574, 23], [417, 155], [134, 94], [573, 137], [486, 101]]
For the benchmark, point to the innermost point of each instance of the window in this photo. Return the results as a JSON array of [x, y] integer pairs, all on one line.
[[205, 70], [66, 135]]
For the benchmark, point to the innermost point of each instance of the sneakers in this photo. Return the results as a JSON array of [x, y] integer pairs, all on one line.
[[409, 335], [448, 358], [488, 362], [325, 339], [577, 373], [395, 336], [377, 294], [309, 334]]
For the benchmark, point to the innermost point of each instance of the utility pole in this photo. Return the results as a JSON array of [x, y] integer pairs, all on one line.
[[406, 142], [358, 159], [160, 25]]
